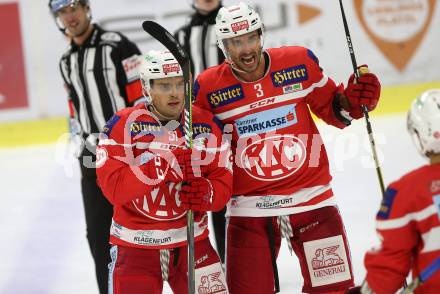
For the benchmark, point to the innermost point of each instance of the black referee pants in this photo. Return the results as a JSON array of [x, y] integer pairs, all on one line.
[[98, 212]]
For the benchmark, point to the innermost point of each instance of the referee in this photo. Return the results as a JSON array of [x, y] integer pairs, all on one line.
[[198, 36], [100, 75]]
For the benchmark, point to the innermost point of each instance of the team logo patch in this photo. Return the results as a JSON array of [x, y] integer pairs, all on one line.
[[145, 128], [291, 75], [210, 279], [110, 124], [387, 203], [241, 25], [327, 261], [171, 67], [265, 121], [273, 158], [436, 200], [161, 203], [225, 96]]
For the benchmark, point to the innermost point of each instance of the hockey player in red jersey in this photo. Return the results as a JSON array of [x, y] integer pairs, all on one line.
[[281, 171], [408, 221], [141, 164]]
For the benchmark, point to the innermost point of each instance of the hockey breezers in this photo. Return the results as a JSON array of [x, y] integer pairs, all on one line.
[[163, 36]]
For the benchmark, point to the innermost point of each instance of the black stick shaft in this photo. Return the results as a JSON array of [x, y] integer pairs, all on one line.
[[163, 36], [364, 108]]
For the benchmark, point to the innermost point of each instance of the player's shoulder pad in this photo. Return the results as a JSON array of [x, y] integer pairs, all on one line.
[[107, 130], [312, 56], [118, 119], [387, 203], [210, 76], [196, 88], [293, 51]]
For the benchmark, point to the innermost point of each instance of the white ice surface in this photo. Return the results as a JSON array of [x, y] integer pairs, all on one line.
[[43, 247]]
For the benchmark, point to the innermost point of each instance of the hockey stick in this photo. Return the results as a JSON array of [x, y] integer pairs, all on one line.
[[364, 108], [424, 275], [163, 36]]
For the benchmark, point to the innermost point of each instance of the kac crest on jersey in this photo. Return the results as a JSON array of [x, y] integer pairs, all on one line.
[[273, 157]]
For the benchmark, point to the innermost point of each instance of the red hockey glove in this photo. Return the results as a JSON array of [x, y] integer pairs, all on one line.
[[169, 166], [197, 195], [364, 91], [194, 165]]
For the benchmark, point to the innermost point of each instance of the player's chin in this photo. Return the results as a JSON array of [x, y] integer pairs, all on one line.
[[249, 68]]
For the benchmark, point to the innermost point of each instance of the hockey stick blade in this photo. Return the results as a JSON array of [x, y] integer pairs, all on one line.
[[167, 39]]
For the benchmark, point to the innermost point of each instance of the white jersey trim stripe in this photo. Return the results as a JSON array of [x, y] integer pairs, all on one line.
[[111, 142], [162, 146], [278, 99], [156, 237], [276, 205], [431, 240], [404, 220]]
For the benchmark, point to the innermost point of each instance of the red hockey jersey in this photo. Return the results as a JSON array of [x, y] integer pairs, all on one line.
[[281, 165], [147, 212], [408, 224]]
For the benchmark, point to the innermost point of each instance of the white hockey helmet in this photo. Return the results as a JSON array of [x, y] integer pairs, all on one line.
[[423, 122], [235, 21], [157, 65]]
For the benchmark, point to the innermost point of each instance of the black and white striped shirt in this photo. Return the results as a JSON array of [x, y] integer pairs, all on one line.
[[200, 42], [101, 77]]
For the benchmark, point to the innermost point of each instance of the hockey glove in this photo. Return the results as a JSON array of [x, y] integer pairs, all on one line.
[[193, 164], [197, 195], [364, 91], [169, 166]]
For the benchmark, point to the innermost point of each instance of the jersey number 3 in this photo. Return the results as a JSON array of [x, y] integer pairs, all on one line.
[[259, 90]]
